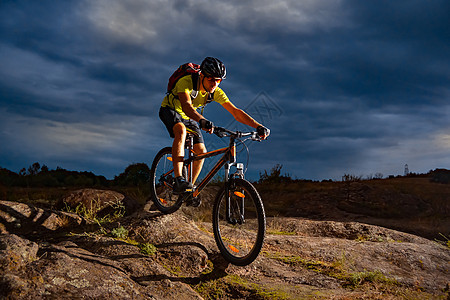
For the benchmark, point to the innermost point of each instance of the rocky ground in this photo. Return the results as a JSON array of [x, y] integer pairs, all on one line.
[[51, 254]]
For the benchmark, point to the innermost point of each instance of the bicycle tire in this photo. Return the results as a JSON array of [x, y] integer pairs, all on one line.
[[240, 244], [161, 182]]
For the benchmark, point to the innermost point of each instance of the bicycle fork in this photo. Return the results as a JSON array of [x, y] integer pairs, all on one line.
[[238, 212]]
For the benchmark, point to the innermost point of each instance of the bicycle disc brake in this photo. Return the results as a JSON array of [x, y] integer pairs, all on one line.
[[190, 200]]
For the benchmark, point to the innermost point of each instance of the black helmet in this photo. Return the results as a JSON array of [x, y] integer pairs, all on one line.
[[213, 67]]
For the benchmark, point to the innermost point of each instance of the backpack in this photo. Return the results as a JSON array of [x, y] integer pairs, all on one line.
[[183, 70]]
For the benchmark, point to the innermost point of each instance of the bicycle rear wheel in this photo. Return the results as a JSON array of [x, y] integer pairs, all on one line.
[[161, 182], [241, 235]]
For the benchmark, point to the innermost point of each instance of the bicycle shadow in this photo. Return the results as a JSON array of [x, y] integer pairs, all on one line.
[[30, 221], [218, 270], [217, 262]]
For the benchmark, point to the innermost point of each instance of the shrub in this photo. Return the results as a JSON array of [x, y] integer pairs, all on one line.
[[134, 175], [147, 249], [274, 176], [120, 232], [440, 176]]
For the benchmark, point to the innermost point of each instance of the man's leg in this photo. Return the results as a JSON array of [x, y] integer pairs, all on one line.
[[198, 164], [181, 185], [179, 131]]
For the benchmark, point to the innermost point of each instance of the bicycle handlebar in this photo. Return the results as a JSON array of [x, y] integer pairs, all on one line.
[[221, 132]]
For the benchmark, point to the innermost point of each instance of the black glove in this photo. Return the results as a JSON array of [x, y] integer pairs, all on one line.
[[205, 124], [263, 131]]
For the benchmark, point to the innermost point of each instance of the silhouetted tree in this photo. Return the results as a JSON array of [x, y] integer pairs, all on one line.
[[38, 176], [378, 176], [8, 178], [134, 175], [34, 168], [440, 176], [351, 178], [274, 176]]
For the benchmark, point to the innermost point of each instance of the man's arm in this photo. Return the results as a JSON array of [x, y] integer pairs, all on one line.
[[240, 115], [244, 118], [188, 109]]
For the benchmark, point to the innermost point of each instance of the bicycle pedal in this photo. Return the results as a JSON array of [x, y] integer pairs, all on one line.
[[183, 193]]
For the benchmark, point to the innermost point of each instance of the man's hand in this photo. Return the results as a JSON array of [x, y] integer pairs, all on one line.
[[263, 132], [206, 125]]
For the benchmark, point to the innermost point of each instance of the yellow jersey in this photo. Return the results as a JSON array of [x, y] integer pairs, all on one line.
[[185, 84]]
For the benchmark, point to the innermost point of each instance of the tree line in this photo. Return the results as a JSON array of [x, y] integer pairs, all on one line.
[[136, 174]]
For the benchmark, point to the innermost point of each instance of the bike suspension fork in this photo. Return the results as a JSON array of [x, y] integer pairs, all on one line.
[[229, 188]]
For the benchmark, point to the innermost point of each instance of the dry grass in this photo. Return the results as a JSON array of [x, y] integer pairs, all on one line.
[[412, 204], [435, 194]]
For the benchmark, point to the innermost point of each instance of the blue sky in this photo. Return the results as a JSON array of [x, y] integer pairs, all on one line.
[[346, 87]]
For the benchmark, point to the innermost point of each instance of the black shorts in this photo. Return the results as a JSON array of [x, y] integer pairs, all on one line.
[[170, 117]]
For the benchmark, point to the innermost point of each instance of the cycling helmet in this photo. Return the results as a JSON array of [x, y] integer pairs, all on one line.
[[213, 67]]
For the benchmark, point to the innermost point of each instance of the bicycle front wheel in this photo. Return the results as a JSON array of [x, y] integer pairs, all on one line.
[[161, 182], [239, 222]]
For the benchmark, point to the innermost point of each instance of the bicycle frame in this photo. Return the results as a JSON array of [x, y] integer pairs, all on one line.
[[228, 160], [235, 201]]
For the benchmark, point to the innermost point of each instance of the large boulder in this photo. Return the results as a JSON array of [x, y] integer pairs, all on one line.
[[99, 202], [15, 252]]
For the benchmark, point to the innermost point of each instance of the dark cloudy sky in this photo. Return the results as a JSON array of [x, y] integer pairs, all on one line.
[[347, 87]]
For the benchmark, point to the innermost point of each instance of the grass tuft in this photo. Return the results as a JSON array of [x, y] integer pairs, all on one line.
[[119, 232], [147, 249], [445, 242], [337, 270]]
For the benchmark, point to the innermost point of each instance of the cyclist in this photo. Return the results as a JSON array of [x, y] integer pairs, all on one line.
[[178, 112]]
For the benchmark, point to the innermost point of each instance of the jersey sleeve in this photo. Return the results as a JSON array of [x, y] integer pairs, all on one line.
[[220, 96]]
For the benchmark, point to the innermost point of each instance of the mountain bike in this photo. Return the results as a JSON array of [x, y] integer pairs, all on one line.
[[238, 217]]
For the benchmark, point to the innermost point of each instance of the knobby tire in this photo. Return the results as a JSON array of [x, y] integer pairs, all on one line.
[[160, 186], [239, 244]]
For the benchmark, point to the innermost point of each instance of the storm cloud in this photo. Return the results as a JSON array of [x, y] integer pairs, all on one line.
[[359, 87]]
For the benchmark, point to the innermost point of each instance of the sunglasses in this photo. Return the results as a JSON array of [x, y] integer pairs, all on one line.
[[214, 79]]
